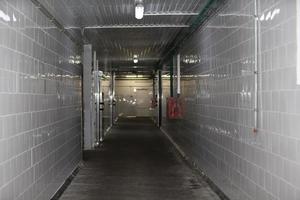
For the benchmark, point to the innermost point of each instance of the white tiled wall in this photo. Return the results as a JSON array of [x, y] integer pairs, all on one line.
[[217, 131], [40, 104]]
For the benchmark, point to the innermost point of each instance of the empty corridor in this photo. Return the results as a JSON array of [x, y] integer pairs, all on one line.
[[136, 162]]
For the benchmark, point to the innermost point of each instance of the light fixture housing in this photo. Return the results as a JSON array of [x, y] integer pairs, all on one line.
[[135, 59], [139, 11]]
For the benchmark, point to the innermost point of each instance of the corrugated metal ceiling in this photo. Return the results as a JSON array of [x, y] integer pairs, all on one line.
[[118, 45]]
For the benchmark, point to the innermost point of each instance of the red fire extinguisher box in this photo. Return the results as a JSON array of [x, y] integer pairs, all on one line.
[[174, 108]]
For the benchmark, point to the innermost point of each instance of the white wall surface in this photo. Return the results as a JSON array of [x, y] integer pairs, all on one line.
[[217, 131], [40, 104]]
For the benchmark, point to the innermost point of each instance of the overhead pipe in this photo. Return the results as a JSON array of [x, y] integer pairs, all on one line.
[[212, 7], [44, 10]]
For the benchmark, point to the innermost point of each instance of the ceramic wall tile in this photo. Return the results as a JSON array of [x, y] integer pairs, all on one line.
[[218, 87], [40, 104]]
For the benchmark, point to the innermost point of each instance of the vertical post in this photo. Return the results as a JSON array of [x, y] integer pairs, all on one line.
[[154, 98], [153, 88], [178, 75], [171, 80], [94, 61], [96, 90], [112, 98], [87, 94], [256, 63], [159, 98], [101, 108], [298, 42], [94, 97]]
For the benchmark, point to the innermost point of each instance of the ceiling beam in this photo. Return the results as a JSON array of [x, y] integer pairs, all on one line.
[[170, 14], [121, 26], [138, 26]]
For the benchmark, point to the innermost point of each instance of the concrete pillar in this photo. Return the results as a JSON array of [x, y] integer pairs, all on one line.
[[87, 96]]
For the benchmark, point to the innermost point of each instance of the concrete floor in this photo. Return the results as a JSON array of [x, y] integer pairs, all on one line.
[[136, 163]]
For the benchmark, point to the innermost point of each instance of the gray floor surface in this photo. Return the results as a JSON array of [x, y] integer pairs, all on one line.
[[136, 162]]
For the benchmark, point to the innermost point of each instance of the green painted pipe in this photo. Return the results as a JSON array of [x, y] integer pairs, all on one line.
[[202, 15], [197, 22]]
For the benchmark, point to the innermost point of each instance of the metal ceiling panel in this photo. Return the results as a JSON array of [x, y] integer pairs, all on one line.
[[118, 45]]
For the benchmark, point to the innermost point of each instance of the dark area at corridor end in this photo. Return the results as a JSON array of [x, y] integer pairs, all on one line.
[[136, 162]]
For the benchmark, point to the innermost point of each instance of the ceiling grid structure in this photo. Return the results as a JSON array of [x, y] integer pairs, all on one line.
[[111, 27]]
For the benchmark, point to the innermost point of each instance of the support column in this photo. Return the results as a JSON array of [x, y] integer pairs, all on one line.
[[178, 75], [155, 97], [159, 98], [95, 98], [171, 80], [87, 95], [112, 98]]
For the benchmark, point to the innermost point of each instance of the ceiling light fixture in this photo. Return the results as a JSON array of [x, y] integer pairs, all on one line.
[[139, 10], [135, 59]]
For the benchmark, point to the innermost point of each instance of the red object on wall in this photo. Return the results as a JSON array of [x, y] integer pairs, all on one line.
[[174, 108]]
